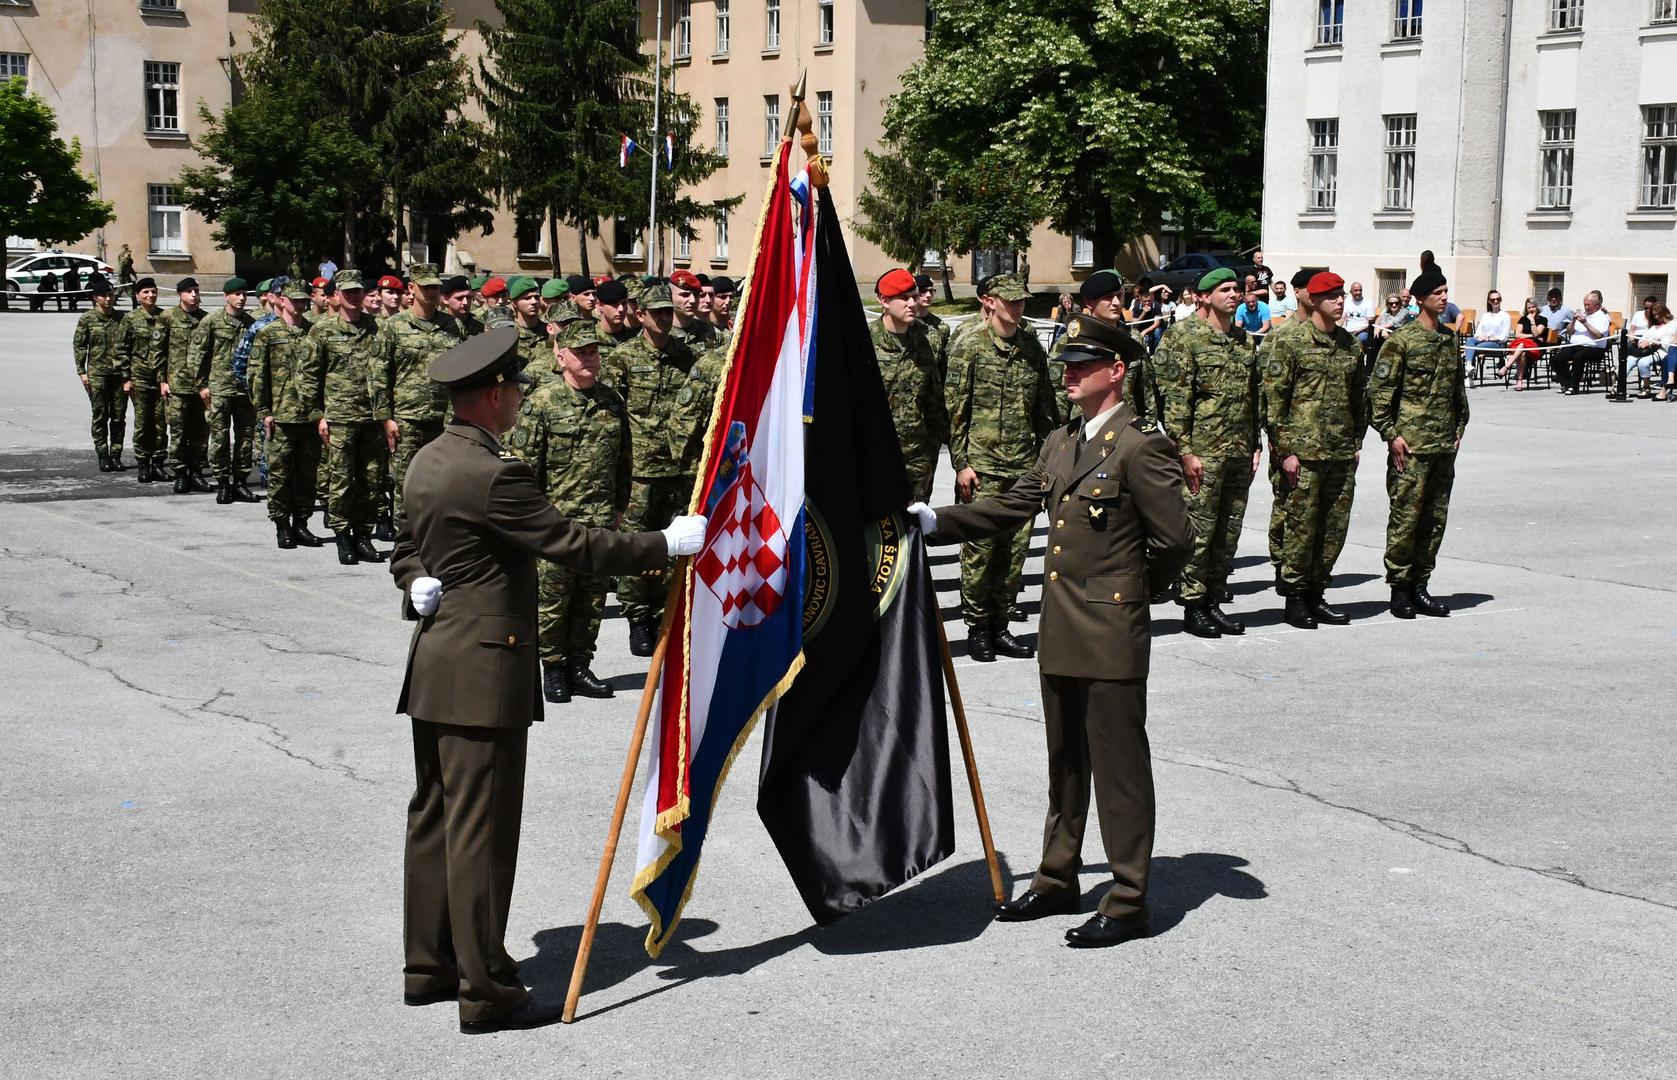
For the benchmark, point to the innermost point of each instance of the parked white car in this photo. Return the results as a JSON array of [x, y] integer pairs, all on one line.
[[24, 273]]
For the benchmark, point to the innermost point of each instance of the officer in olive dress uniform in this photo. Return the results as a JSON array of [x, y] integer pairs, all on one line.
[[1119, 527], [474, 525]]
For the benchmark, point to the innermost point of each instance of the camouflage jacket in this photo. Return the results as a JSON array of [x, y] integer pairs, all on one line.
[[690, 415], [95, 343], [577, 444], [649, 379], [1314, 382], [700, 337], [279, 374], [136, 347], [610, 339], [937, 332], [1210, 383], [211, 353], [1280, 333], [1418, 390], [470, 324], [908, 365], [535, 349], [407, 344], [345, 382], [1000, 404], [173, 349]]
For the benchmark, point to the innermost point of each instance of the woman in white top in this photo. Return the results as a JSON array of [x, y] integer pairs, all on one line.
[[1651, 350]]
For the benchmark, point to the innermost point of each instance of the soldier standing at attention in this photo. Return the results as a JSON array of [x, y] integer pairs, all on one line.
[[689, 329], [553, 291], [99, 368], [1298, 320], [456, 294], [913, 382], [280, 392], [937, 331], [722, 306], [581, 293], [188, 397], [227, 396], [1001, 407], [495, 308], [391, 293], [650, 371], [144, 381], [1314, 383], [1211, 412], [348, 390], [320, 301], [614, 313], [408, 342], [524, 300], [1417, 401], [574, 435]]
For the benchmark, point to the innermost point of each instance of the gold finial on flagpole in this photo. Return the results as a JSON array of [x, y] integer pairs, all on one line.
[[801, 121]]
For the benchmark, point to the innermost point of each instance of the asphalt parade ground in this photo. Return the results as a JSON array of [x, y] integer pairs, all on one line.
[[1430, 849]]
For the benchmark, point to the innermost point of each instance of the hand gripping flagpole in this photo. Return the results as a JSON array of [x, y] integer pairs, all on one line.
[[970, 760]]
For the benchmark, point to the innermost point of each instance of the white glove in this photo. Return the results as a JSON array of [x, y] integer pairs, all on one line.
[[927, 516], [685, 535], [425, 595]]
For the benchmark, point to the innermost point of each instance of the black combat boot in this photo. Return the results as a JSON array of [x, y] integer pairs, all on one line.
[[1006, 644], [642, 638], [1327, 613], [583, 682], [346, 549], [365, 551], [144, 476], [1298, 613], [105, 463], [979, 645], [300, 532], [242, 492], [1402, 606], [1281, 587], [1228, 624], [224, 494], [1196, 619], [1223, 595], [160, 470], [384, 531], [116, 462], [554, 686], [199, 482], [183, 483], [283, 537], [1425, 604]]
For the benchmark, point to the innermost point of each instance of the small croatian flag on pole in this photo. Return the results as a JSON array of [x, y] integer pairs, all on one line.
[[623, 154], [669, 151]]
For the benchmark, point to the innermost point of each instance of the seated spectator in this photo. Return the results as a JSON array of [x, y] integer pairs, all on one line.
[[1253, 316], [49, 284], [1586, 337], [1529, 331], [1283, 305], [1452, 317], [71, 283], [1359, 314], [1185, 305], [1147, 310], [1557, 315], [1392, 318], [1409, 304], [1650, 346], [1063, 311], [1492, 332]]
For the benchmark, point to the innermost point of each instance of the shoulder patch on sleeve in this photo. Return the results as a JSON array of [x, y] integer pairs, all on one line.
[[1383, 368]]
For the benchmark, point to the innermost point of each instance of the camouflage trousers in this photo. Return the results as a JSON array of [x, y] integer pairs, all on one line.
[[1277, 511], [921, 469], [189, 432], [652, 503], [293, 462], [1420, 504], [1318, 515], [232, 437], [355, 467], [1217, 513], [568, 618], [414, 434], [991, 568], [110, 411], [151, 424]]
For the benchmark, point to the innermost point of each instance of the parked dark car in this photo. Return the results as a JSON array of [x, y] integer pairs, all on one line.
[[1186, 270]]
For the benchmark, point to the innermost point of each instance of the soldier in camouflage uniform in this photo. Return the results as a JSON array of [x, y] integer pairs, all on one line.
[[284, 402], [1210, 376], [98, 367], [495, 309], [908, 364], [1101, 297], [1417, 399], [1314, 383], [937, 331], [144, 380], [189, 437], [457, 301], [1001, 407], [650, 372], [615, 315], [573, 432], [348, 388], [232, 419], [408, 342], [1278, 485], [553, 291], [534, 348], [696, 333]]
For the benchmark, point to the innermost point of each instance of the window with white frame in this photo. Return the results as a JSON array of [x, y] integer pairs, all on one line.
[[527, 233], [1554, 158], [1400, 162], [724, 27], [1082, 250], [824, 122], [1330, 22], [1324, 164], [1566, 14], [1664, 11], [1659, 156], [683, 246], [1406, 19], [681, 32], [15, 65], [771, 123], [165, 219], [722, 126], [932, 259], [825, 24], [163, 96], [721, 251], [771, 25]]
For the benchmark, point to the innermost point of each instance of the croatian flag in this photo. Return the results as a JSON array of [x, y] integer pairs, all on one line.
[[736, 626], [628, 148], [669, 151]]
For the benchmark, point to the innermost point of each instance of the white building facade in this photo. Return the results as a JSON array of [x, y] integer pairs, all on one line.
[[1527, 143]]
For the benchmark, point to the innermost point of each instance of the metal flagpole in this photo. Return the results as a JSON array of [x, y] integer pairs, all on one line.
[[657, 120]]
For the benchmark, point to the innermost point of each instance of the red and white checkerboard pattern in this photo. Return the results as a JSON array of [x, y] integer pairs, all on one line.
[[744, 563]]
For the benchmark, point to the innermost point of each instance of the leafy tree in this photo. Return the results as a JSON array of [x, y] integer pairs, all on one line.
[[1102, 115], [897, 207], [42, 192]]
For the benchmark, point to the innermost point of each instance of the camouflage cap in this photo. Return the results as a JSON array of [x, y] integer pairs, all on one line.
[[1004, 287], [520, 285], [555, 288], [634, 287], [656, 298], [580, 334], [562, 313], [424, 274], [296, 290], [348, 279]]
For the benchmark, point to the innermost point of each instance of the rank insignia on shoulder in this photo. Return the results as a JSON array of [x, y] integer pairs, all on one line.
[[1110, 436]]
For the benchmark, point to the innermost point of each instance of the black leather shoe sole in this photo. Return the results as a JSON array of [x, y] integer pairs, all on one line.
[[435, 997], [1012, 649], [524, 1018], [1101, 932], [1036, 906]]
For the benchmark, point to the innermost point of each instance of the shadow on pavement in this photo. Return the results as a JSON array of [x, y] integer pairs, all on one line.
[[1180, 884]]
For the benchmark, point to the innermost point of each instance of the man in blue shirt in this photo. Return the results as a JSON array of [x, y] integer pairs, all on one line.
[[1253, 317]]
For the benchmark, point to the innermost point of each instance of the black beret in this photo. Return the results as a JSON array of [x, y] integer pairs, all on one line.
[[922, 281], [489, 358], [1100, 283], [611, 292], [1301, 280], [1426, 282], [576, 284], [186, 283], [723, 286], [145, 283], [98, 285], [704, 279], [455, 283], [1090, 339]]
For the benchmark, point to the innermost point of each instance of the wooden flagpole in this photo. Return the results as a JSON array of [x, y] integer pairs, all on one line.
[[971, 762]]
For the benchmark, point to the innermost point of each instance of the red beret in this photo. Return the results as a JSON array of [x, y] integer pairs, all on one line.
[[390, 281], [319, 283], [685, 279], [895, 283], [495, 286], [1325, 282]]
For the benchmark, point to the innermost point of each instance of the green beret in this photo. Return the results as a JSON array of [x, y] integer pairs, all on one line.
[[234, 284], [265, 285], [347, 279], [479, 281], [555, 288], [1214, 278], [520, 285]]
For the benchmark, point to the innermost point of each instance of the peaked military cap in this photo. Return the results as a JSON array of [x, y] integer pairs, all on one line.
[[1004, 287], [579, 335], [348, 279], [296, 290], [424, 274], [1089, 339], [485, 360], [563, 313], [656, 298]]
